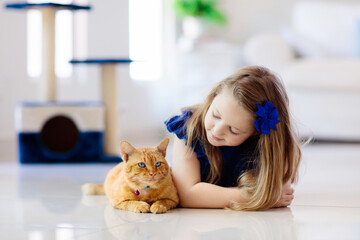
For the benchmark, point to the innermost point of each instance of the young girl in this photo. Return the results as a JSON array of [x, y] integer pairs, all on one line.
[[237, 149]]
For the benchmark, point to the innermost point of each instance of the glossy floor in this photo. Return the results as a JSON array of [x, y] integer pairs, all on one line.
[[44, 202]]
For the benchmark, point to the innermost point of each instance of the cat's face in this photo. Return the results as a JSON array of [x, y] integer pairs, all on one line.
[[145, 165]]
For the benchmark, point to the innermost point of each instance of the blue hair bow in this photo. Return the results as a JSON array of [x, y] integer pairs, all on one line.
[[268, 117]]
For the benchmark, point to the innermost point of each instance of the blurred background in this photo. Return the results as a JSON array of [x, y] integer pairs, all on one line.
[[184, 48]]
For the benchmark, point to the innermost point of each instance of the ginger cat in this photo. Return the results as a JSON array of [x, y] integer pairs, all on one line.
[[141, 183]]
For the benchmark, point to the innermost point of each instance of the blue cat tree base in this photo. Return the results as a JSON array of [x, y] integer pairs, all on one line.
[[61, 132]]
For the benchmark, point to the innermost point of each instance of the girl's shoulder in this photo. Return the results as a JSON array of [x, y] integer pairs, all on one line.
[[177, 123]]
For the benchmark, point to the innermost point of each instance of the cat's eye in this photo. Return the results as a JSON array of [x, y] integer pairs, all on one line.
[[141, 164], [157, 164]]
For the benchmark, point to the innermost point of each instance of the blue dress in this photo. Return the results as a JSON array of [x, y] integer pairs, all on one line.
[[235, 159]]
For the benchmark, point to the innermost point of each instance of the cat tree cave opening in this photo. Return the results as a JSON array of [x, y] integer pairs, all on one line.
[[60, 134]]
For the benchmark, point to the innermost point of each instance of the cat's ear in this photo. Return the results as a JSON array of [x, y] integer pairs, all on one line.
[[163, 145], [126, 149]]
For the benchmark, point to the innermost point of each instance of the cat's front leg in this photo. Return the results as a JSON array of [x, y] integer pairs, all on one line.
[[133, 206], [162, 206]]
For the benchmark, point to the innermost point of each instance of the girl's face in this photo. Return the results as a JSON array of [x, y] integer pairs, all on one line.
[[227, 123]]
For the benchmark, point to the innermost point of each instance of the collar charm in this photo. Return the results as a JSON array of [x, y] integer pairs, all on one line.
[[137, 192]]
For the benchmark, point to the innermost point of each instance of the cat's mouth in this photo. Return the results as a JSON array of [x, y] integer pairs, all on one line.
[[155, 178]]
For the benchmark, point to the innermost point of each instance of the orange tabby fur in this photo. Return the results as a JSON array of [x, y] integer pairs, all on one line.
[[157, 192]]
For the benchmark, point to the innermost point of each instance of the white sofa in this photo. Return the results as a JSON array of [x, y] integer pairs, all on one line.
[[318, 59]]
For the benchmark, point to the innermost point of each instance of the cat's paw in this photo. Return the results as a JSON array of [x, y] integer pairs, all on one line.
[[158, 208], [133, 206], [139, 207], [142, 207]]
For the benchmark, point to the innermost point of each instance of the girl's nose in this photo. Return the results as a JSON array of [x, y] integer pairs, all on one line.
[[218, 130]]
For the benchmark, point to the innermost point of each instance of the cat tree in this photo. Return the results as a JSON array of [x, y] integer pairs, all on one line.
[[48, 92]]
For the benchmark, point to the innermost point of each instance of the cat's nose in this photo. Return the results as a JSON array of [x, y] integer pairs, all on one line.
[[152, 174]]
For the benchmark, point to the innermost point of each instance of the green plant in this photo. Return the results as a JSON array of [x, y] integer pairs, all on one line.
[[204, 9]]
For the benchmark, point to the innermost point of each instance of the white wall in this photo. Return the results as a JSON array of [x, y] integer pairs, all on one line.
[[13, 86], [246, 18]]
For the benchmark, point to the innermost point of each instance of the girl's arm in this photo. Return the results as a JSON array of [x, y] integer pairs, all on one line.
[[192, 192]]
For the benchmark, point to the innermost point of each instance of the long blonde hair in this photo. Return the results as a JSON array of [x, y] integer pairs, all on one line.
[[277, 155]]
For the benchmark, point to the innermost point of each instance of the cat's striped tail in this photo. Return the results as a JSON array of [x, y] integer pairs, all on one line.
[[93, 189]]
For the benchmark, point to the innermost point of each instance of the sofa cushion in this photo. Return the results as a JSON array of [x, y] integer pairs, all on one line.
[[326, 114], [269, 50], [323, 74], [303, 46]]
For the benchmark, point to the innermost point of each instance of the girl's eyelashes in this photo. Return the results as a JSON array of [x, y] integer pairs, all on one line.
[[233, 132], [215, 115]]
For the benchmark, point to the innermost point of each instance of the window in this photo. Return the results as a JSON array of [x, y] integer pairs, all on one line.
[[145, 39]]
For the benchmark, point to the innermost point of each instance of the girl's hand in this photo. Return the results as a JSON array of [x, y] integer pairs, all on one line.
[[287, 195]]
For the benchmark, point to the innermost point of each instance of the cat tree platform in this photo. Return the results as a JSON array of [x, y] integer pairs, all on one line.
[[109, 97]]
